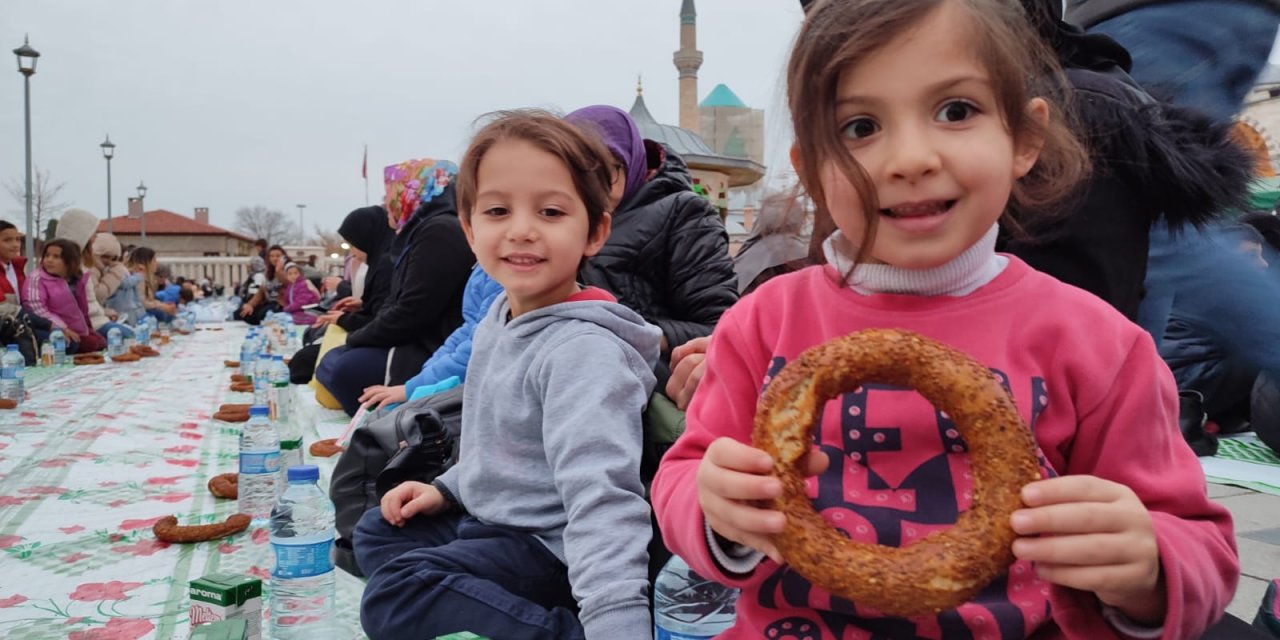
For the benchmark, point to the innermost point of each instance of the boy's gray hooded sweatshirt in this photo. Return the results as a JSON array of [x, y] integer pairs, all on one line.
[[551, 441]]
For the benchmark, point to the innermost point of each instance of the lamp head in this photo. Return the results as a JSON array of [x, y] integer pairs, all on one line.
[[27, 58]]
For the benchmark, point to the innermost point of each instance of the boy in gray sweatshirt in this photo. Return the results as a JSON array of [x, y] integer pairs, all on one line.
[[541, 529]]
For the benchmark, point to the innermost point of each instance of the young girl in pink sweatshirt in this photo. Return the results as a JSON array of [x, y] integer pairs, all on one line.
[[920, 124]]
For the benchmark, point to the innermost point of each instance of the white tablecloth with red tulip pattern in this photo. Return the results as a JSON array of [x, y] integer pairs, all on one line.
[[91, 461]]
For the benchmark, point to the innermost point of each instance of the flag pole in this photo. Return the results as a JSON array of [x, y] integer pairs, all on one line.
[[364, 173]]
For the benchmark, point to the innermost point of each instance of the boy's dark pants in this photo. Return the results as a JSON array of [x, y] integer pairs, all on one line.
[[450, 572]]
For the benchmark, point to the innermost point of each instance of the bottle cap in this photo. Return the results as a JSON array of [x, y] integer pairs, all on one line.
[[12, 347], [259, 410], [304, 473]]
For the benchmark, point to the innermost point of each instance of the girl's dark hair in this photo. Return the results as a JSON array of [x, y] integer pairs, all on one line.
[[140, 257], [86, 255], [588, 160], [271, 266], [839, 33], [70, 256]]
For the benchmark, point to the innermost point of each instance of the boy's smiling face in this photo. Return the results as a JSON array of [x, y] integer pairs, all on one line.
[[529, 228]]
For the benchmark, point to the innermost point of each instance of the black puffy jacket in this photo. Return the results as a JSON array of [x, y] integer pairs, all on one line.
[[1152, 161], [667, 257], [431, 262]]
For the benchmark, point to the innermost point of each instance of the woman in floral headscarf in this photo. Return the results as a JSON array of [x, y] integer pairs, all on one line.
[[431, 262]]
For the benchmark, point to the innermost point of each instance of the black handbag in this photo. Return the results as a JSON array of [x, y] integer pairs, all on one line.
[[416, 441], [427, 449], [15, 329]]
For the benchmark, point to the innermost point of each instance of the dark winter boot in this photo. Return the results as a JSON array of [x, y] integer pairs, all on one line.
[[1191, 419]]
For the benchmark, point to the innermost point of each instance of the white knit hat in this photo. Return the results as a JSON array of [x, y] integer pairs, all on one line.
[[77, 225], [106, 244]]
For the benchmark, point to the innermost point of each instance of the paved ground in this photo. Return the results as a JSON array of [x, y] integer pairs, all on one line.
[[1257, 518]]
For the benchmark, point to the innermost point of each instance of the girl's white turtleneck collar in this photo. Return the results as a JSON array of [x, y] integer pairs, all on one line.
[[963, 275]]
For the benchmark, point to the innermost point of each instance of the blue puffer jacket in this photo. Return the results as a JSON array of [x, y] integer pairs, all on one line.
[[451, 358], [1214, 344], [127, 300]]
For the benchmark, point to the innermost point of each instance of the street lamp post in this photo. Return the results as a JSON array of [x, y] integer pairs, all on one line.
[[27, 67], [142, 204], [302, 234], [108, 152]]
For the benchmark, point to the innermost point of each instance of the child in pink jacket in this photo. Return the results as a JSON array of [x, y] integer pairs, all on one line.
[[299, 293], [59, 291]]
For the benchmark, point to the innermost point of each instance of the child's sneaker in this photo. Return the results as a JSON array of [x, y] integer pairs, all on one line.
[[1268, 618]]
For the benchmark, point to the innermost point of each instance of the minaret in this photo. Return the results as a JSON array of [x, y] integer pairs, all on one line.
[[688, 59]]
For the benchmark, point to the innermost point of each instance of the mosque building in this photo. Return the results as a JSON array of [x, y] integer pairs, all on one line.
[[721, 138]]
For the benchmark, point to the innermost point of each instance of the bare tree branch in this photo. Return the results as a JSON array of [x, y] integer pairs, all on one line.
[[269, 224], [330, 240], [45, 197]]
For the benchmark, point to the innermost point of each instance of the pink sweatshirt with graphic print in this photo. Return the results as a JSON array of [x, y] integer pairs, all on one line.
[[1091, 385]]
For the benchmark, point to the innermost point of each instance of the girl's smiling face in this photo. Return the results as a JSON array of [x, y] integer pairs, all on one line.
[[921, 117]]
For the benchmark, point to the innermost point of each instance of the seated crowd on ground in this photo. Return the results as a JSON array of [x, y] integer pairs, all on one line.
[[566, 274]]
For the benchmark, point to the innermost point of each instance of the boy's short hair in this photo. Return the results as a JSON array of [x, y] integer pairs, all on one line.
[[5, 225], [588, 160]]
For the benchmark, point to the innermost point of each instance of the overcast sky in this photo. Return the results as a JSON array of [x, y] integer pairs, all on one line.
[[242, 102]]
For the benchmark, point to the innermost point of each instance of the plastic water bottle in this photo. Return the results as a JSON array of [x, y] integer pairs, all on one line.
[[248, 354], [687, 606], [13, 368], [259, 465], [262, 380], [115, 342], [142, 332], [293, 344], [282, 407], [59, 340], [264, 345], [302, 583]]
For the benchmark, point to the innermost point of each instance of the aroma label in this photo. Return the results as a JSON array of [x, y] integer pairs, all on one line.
[[227, 596]]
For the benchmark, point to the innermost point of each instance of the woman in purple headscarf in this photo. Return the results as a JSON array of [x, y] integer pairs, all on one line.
[[667, 257]]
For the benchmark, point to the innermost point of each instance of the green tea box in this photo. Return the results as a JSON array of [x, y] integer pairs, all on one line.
[[233, 629], [227, 596]]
